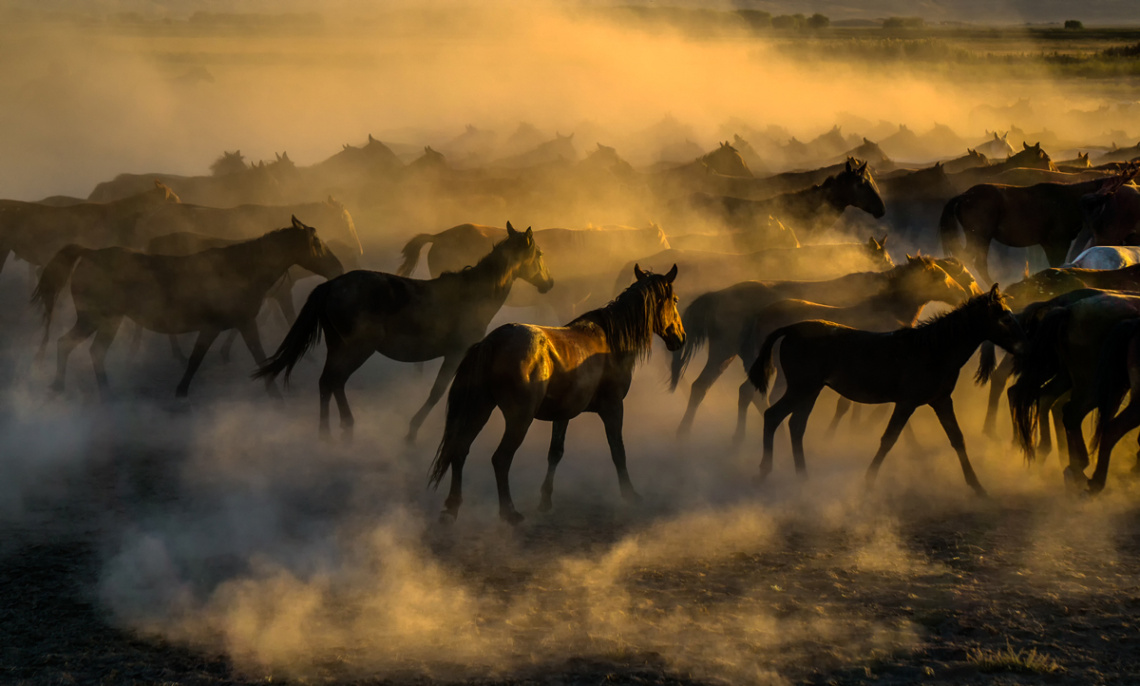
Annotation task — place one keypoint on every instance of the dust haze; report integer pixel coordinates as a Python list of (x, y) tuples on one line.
[(225, 525)]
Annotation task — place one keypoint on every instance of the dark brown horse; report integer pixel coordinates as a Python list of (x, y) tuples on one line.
[(409, 320), (1063, 357), (722, 317), (1118, 373), (1046, 214), (909, 367), (1030, 157), (554, 374), (899, 305), (207, 292), (808, 211)]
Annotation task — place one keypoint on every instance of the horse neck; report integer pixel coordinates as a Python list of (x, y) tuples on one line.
[(489, 280), (902, 304), (625, 323), (953, 336), (263, 260)]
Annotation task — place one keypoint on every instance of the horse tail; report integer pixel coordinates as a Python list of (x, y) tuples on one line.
[(1110, 384), (52, 280), (761, 369), (948, 227), (987, 360), (1036, 366), (411, 253), (468, 390), (697, 319), (304, 334)]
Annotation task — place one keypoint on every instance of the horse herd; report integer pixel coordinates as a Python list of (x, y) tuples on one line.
[(773, 281)]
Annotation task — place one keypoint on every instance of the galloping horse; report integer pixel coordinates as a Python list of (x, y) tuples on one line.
[(554, 374), (409, 320), (909, 367), (207, 292), (722, 317), (1046, 214)]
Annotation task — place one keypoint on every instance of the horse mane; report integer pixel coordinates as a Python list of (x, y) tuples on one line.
[(627, 320), (495, 263), (947, 325)]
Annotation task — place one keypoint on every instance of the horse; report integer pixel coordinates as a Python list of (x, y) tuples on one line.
[(1112, 217), (581, 258), (1045, 214), (207, 292), (1118, 372), (188, 243), (35, 233), (909, 367), (1031, 157), (410, 320), (914, 201), (971, 159), (807, 211), (1106, 257), (996, 146), (899, 305), (554, 374), (1080, 162), (1063, 357), (721, 317), (249, 220), (704, 271), (231, 182)]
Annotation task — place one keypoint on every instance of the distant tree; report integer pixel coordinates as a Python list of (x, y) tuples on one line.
[(785, 21), (1074, 24), (757, 19), (818, 21)]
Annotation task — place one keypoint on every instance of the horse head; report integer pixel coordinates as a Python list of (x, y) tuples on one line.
[(855, 186), (310, 252), (1033, 157), (726, 160), (922, 278), (958, 271), (526, 258), (663, 302), (1001, 328), (877, 250)]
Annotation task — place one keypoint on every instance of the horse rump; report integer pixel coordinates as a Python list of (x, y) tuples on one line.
[(303, 335)]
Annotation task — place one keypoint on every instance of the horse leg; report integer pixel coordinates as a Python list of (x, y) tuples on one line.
[(205, 339), (842, 406), (104, 335), (1050, 401), (798, 425), (715, 365), (898, 420), (80, 332), (747, 395), (228, 344), (1127, 420), (1056, 253), (518, 423), (612, 419), (979, 250), (446, 374), (944, 408), (998, 380), (252, 338), (773, 417), (466, 423), (557, 447), (1072, 416), (341, 360)]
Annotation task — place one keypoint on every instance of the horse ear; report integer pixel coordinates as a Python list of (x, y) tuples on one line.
[(371, 139), (848, 164), (883, 241), (510, 229), (1024, 145), (909, 257), (863, 168), (638, 273), (529, 236), (297, 223), (970, 151), (671, 274), (994, 291)]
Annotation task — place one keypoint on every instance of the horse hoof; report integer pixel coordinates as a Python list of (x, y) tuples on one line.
[(513, 518), (447, 517)]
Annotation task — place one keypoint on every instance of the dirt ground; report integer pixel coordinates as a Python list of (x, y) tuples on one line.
[(218, 541)]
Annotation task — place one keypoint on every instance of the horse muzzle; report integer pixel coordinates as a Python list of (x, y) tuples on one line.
[(544, 286), (673, 341)]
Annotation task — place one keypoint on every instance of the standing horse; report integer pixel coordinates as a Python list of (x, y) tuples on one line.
[(722, 317), (207, 292), (1046, 214), (1117, 373), (555, 374), (909, 367), (409, 320)]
